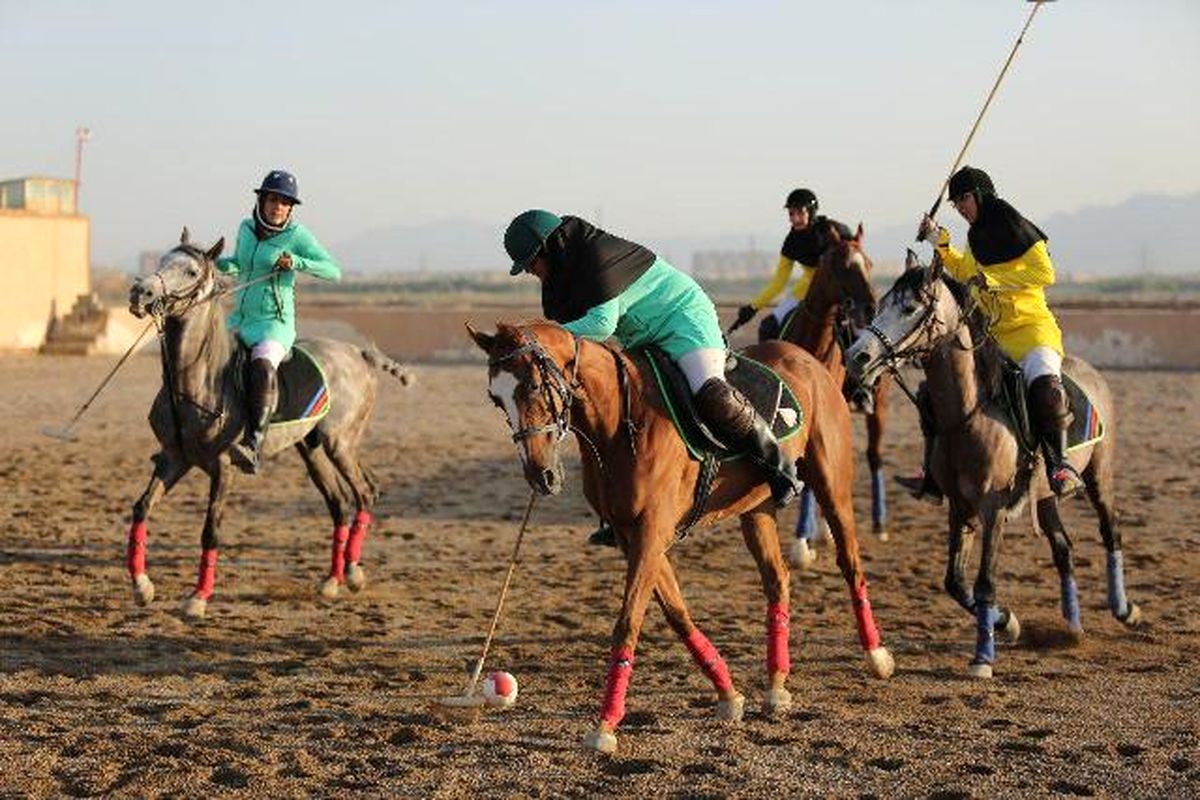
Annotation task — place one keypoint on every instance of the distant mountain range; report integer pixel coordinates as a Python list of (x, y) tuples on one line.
[(1150, 233)]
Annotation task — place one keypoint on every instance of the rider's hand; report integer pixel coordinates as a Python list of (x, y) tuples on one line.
[(745, 314), (928, 230), (284, 262)]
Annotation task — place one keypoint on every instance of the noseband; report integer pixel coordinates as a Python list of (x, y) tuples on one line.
[(160, 307), (557, 390)]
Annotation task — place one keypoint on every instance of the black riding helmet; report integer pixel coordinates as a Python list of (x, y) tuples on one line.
[(802, 198), (971, 179), (282, 183)]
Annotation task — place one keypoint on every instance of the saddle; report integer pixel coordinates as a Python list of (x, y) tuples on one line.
[(762, 386), (303, 391), (1085, 428)]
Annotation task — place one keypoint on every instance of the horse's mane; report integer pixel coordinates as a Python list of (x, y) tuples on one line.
[(989, 359)]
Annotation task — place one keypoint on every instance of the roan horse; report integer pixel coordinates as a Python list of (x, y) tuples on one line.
[(199, 412), (840, 299), (638, 475), (977, 460)]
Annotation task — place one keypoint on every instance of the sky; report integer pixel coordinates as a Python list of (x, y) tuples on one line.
[(653, 118)]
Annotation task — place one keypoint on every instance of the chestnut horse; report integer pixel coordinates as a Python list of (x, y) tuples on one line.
[(637, 474), (840, 300)]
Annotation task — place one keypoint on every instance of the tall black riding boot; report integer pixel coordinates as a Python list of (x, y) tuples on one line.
[(1050, 416), (261, 395), (734, 419), (923, 487)]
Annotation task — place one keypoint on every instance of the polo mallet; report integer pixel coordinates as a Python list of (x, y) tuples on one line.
[(67, 432), (971, 134), (468, 704)]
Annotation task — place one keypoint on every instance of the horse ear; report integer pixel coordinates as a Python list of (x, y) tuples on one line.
[(832, 232), (485, 341), (184, 237), (858, 234), (216, 249), (911, 261)]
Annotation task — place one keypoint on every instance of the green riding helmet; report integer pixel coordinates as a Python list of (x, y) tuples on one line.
[(525, 236)]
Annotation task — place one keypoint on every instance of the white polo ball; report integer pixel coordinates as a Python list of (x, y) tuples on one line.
[(500, 689)]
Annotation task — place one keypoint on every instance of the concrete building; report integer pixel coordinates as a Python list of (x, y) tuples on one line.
[(44, 259)]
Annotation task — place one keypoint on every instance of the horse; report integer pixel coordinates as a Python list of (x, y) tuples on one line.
[(840, 300), (638, 475), (199, 413), (978, 460)]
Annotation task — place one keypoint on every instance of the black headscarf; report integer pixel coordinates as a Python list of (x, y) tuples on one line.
[(806, 246), (999, 232), (588, 267)]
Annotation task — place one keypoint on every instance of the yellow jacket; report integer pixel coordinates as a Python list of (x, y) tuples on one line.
[(783, 272), (1014, 296)]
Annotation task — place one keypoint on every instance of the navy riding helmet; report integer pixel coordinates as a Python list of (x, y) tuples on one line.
[(282, 183)]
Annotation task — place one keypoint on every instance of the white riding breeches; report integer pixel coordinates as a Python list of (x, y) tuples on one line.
[(270, 350), (1041, 361), (784, 307), (701, 365)]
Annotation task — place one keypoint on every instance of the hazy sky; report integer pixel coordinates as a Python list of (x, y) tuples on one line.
[(668, 118)]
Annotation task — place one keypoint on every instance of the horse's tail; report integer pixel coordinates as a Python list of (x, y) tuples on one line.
[(378, 359)]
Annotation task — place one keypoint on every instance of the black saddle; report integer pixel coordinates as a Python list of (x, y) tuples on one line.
[(761, 385), (303, 390), (1085, 427)]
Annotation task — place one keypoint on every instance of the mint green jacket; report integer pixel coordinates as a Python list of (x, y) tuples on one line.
[(267, 310), (663, 307)]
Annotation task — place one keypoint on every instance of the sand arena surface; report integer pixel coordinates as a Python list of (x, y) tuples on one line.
[(280, 693)]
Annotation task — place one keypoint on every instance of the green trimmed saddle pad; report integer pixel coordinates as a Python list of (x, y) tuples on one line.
[(1086, 426), (303, 392), (762, 386)]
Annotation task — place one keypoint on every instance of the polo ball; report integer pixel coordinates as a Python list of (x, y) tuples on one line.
[(500, 689)]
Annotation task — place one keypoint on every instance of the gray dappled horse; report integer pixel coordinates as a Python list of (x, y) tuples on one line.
[(977, 459), (200, 410)]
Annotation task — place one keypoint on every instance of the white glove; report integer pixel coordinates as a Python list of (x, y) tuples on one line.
[(928, 230)]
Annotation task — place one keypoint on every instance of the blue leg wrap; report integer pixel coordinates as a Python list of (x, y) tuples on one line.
[(1117, 602), (1070, 602), (878, 499), (806, 524), (985, 636)]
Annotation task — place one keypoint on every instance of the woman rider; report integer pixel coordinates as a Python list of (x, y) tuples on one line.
[(803, 246), (597, 285), (1008, 260), (264, 315)]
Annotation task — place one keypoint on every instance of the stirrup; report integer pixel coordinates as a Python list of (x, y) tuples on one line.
[(604, 536), (922, 488), (1064, 480), (784, 488)]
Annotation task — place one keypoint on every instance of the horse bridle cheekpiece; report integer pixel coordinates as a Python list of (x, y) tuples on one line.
[(893, 354), (557, 390)]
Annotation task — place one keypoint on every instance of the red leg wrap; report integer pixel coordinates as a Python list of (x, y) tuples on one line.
[(208, 574), (135, 553), (868, 634), (710, 660), (620, 670), (358, 532), (778, 658), (337, 566)]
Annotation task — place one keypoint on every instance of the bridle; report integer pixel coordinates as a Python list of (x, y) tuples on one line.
[(164, 305), (557, 389)]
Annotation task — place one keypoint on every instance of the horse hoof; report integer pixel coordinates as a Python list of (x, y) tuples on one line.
[(195, 607), (733, 709), (356, 578), (777, 702), (881, 533), (881, 662), (1012, 629), (143, 589), (981, 670), (601, 741), (1134, 617), (329, 588), (801, 555)]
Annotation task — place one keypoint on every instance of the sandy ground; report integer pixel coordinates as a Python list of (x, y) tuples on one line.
[(281, 693)]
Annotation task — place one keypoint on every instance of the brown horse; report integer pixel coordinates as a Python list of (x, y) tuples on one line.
[(637, 473), (839, 301)]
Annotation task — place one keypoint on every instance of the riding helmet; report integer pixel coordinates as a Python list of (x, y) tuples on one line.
[(802, 198), (525, 236), (971, 179), (282, 183)]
